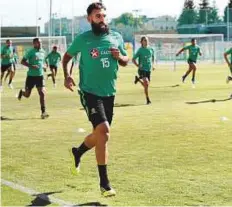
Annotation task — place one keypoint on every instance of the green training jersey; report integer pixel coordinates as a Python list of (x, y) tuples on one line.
[(35, 57), (146, 58), (194, 51), (7, 55), (229, 52), (53, 58), (98, 68)]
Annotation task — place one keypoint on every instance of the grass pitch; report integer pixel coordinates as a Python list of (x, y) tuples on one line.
[(177, 151)]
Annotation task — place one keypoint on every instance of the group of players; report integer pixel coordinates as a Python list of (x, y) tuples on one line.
[(102, 50)]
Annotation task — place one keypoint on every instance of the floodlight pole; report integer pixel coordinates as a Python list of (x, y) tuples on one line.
[(228, 23), (72, 20)]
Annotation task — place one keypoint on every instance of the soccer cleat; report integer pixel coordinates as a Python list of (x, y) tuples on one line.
[(75, 168), (54, 85), (183, 79), (44, 115), (231, 96), (136, 79), (20, 94), (148, 102), (10, 86), (228, 79), (107, 192)]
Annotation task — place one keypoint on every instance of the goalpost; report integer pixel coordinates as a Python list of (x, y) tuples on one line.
[(167, 45), (23, 44)]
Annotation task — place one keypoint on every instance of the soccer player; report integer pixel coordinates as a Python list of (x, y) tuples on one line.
[(12, 73), (34, 60), (229, 52), (145, 54), (7, 61), (53, 58), (194, 51), (101, 50)]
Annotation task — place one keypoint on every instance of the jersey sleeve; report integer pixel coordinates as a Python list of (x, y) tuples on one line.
[(187, 47), (121, 47), (76, 46), (228, 52), (27, 55), (136, 55)]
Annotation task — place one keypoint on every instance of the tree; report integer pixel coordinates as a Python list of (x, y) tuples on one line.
[(204, 12), (226, 12), (213, 16), (189, 14)]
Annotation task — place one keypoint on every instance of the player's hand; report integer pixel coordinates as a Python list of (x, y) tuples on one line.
[(69, 83), (34, 66), (115, 53), (177, 54)]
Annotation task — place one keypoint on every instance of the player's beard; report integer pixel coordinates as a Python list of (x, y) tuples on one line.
[(99, 29)]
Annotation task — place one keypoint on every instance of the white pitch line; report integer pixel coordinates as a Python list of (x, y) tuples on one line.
[(33, 193)]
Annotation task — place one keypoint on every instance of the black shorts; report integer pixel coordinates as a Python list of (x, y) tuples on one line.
[(32, 81), (191, 61), (144, 74), (98, 109), (53, 67), (6, 67)]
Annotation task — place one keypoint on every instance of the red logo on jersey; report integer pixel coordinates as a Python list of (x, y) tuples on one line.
[(94, 53)]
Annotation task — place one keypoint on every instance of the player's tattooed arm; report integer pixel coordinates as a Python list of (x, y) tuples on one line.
[(65, 62)]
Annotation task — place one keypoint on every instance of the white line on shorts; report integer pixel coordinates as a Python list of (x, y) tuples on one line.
[(33, 193)]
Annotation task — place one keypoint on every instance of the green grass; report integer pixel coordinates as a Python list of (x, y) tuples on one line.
[(168, 153)]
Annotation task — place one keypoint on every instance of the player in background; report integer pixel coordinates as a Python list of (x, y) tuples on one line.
[(53, 59), (229, 63), (12, 73), (7, 57), (145, 55), (101, 50), (34, 60), (194, 51)]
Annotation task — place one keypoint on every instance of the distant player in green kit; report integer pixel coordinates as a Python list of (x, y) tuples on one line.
[(53, 58), (229, 63), (101, 50), (145, 55), (34, 60), (194, 51), (7, 57)]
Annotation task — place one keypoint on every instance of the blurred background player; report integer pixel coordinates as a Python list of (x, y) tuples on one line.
[(34, 60), (145, 55), (194, 51), (53, 59), (11, 73), (229, 63), (7, 57), (101, 50)]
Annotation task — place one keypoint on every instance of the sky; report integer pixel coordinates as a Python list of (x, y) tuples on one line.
[(26, 12)]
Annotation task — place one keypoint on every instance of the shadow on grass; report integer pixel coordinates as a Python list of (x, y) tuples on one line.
[(172, 86), (42, 199), (3, 118), (92, 204), (209, 101)]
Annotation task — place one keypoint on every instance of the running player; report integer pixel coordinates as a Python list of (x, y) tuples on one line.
[(101, 50), (194, 51), (145, 54)]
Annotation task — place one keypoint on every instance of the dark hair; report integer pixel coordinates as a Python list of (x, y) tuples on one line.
[(143, 38), (193, 39), (8, 40), (54, 47), (35, 39), (96, 5)]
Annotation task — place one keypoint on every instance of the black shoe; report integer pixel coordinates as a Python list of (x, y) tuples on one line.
[(228, 79), (183, 79), (136, 79), (20, 94), (75, 168), (148, 101)]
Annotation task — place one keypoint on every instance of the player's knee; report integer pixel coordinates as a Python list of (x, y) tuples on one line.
[(103, 131)]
